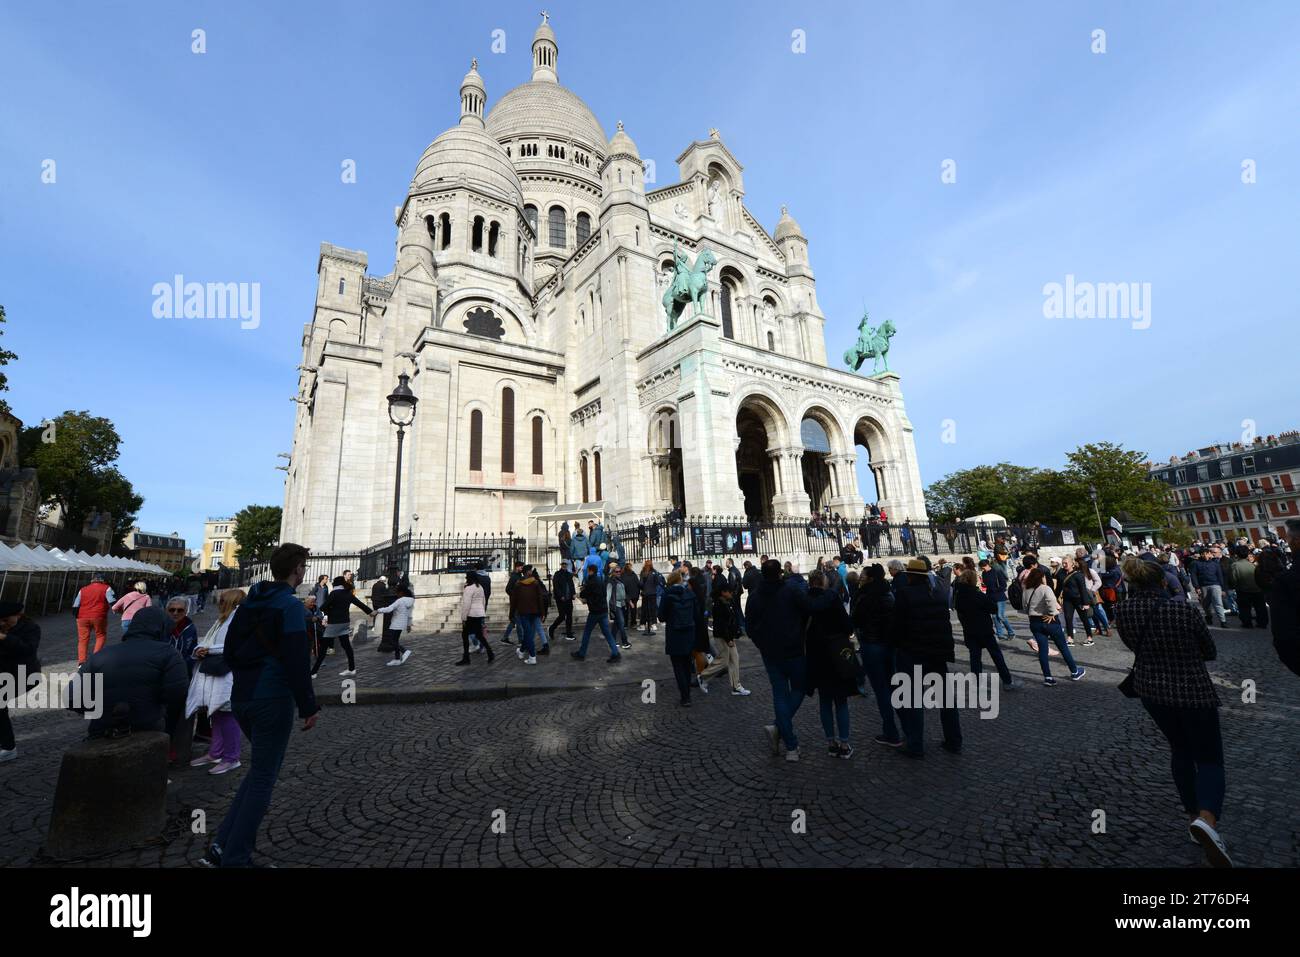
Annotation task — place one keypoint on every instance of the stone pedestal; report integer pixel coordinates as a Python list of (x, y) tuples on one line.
[(112, 794)]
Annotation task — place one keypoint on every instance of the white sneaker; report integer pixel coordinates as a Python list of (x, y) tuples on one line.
[(1216, 852), (740, 690), (224, 766), (519, 653), (708, 658), (347, 673), (205, 759), (9, 755), (530, 661), (704, 686), (392, 662), (792, 755), (405, 655)]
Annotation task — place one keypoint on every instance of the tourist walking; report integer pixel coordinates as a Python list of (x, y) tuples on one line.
[(616, 598), (1207, 578), (473, 611), (92, 604), (132, 602), (266, 646), (529, 600), (680, 613), (832, 666), (977, 612), (338, 622), (563, 592), (652, 583), (632, 589), (871, 610), (921, 632), (996, 579), (211, 686), (594, 596), (1252, 609), (1042, 609), (1170, 644), (397, 618), (726, 630), (20, 638)]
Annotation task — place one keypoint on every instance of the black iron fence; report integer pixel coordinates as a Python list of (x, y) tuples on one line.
[(441, 554)]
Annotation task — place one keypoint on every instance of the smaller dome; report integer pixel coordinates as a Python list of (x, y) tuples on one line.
[(786, 227), (544, 32), (472, 78), (622, 143), (468, 152)]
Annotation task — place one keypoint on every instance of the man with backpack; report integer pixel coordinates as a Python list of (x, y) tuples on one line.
[(529, 599), (563, 591), (270, 658)]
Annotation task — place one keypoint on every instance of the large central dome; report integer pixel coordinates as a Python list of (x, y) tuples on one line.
[(543, 106)]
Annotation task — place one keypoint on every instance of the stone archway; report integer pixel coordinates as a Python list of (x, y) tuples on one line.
[(827, 464), (766, 460), (664, 450), (873, 454)]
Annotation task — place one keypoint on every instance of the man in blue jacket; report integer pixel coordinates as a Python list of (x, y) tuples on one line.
[(776, 616), (1207, 579), (270, 658)]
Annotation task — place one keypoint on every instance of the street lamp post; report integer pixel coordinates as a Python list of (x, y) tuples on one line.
[(1261, 512), (1092, 493), (401, 412)]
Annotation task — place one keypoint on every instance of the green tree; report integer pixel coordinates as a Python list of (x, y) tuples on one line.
[(1177, 534), (257, 531), (5, 358), (73, 456), (1000, 489), (1122, 481)]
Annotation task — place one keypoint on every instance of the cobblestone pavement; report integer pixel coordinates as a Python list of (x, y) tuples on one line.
[(596, 776)]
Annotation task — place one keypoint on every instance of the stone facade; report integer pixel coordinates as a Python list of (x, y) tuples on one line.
[(526, 304)]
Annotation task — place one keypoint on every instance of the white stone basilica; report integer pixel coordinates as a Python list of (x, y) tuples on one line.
[(526, 306)]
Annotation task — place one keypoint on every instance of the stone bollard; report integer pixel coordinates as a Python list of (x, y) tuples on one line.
[(112, 794)]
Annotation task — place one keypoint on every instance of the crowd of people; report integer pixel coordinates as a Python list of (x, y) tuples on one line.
[(836, 633)]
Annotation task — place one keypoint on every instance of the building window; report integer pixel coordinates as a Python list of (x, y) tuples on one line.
[(1248, 463), (1180, 476), (530, 214), (342, 285), (595, 458), (771, 343), (218, 547), (476, 239), (1202, 473), (476, 441), (727, 331), (537, 445), (583, 228), (494, 237), (585, 496), (508, 431), (555, 227), (444, 226)]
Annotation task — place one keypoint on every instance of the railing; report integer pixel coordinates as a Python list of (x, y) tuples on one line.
[(441, 554)]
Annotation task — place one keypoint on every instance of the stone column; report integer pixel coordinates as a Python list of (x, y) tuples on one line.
[(792, 499)]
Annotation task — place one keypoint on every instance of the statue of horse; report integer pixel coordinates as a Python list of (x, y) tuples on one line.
[(690, 283), (871, 344)]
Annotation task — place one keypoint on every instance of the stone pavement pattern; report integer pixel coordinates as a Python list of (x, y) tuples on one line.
[(596, 777)]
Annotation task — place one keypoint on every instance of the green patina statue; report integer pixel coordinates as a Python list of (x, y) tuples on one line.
[(689, 283), (871, 344)]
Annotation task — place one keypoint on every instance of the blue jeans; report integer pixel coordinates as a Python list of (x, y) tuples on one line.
[(1229, 601), (620, 626), (267, 723), (878, 660), (987, 643), (593, 620), (1048, 631), (913, 719), (1196, 754), (509, 629), (1001, 624), (528, 626), (788, 676), (834, 710), (1099, 617)]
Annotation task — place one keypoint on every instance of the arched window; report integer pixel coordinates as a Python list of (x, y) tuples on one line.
[(595, 458), (507, 430), (476, 441), (555, 226), (537, 445), (476, 240), (585, 496), (342, 285), (431, 225), (444, 226), (583, 228), (494, 238), (530, 214), (771, 343), (727, 331)]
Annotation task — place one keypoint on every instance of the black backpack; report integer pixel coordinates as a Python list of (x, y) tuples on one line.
[(1016, 595), (683, 612)]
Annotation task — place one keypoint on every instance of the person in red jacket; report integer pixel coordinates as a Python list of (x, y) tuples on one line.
[(92, 604)]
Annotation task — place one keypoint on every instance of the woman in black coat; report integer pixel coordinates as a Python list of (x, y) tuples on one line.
[(873, 606), (975, 611), (19, 639), (680, 613), (701, 592), (828, 635)]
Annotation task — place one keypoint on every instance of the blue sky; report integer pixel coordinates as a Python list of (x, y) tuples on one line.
[(1117, 167)]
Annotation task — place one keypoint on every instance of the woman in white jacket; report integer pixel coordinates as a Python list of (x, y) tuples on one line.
[(473, 611), (402, 610), (210, 689)]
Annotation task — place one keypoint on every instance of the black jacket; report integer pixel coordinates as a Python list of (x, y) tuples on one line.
[(776, 616), (1284, 601), (562, 585), (144, 672), (975, 611), (725, 623), (824, 625), (19, 648), (751, 579), (631, 585), (593, 594), (873, 607), (338, 604), (920, 625)]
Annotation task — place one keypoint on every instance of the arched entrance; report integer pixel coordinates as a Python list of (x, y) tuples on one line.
[(872, 461), (665, 453), (762, 460), (815, 464)]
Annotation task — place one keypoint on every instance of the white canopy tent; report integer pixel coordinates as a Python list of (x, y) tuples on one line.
[(55, 574)]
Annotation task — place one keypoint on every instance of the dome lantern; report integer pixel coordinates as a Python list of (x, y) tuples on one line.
[(545, 52), (473, 97)]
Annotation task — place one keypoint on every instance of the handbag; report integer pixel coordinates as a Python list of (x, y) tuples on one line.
[(844, 659), (214, 666)]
